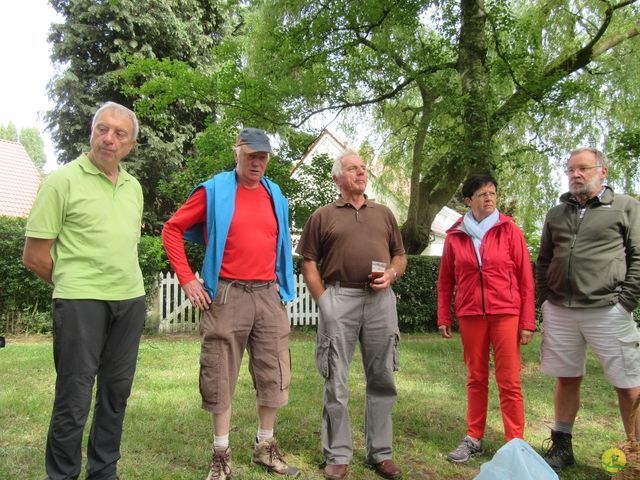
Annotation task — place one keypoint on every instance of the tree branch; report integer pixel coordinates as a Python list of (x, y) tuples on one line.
[(560, 68)]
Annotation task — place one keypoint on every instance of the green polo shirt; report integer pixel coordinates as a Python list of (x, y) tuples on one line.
[(96, 227)]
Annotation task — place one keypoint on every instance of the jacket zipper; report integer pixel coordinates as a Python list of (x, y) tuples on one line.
[(484, 311), (573, 242)]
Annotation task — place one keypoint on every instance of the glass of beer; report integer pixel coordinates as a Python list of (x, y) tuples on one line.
[(377, 269)]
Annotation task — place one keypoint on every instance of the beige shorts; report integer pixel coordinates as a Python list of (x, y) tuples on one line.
[(251, 319), (610, 331)]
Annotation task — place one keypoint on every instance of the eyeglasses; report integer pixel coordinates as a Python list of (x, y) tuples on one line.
[(484, 195), (572, 170)]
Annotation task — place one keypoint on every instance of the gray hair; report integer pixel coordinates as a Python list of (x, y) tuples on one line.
[(336, 170), (122, 110), (601, 158)]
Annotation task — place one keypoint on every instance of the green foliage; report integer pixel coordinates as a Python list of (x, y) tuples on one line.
[(314, 188), (455, 88), (23, 294), (34, 145), (625, 169), (95, 43), (153, 260), (9, 132), (417, 295)]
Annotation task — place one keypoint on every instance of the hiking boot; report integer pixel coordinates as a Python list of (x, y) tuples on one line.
[(220, 466), (560, 454), (268, 454), (467, 449)]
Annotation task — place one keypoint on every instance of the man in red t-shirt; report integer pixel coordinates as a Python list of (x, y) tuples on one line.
[(243, 220)]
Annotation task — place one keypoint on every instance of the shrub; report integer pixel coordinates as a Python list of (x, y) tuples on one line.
[(417, 295), (153, 260), (23, 296)]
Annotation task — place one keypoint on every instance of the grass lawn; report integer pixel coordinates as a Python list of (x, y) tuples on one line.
[(168, 436)]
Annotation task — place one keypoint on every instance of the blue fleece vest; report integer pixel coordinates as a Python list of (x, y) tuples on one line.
[(221, 199)]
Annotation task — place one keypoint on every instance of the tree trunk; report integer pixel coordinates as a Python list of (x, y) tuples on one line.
[(474, 80), (439, 184)]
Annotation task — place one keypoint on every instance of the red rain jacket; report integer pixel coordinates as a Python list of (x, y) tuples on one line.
[(502, 286)]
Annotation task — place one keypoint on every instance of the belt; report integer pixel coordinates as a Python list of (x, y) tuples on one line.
[(359, 286), (248, 286)]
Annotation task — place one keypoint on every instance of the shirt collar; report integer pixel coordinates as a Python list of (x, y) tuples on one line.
[(341, 202), (88, 167), (598, 195)]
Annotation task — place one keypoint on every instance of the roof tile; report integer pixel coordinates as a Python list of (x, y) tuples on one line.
[(19, 180)]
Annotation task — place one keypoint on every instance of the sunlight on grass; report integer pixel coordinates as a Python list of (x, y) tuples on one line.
[(168, 436)]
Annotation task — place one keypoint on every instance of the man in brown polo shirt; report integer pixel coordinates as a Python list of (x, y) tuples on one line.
[(339, 243)]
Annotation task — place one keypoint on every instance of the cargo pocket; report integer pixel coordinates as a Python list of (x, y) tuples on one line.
[(630, 345), (323, 355), (284, 360), (395, 342), (210, 377)]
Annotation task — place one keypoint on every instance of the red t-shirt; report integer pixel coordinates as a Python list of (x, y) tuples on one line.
[(250, 250)]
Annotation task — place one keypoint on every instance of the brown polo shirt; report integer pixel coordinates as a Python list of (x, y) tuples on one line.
[(344, 241)]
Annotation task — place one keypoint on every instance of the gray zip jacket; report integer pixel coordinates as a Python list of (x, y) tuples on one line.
[(593, 261)]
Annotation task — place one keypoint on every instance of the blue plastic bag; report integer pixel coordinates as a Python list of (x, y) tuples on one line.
[(516, 460)]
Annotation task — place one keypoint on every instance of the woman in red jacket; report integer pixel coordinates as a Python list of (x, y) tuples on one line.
[(486, 263)]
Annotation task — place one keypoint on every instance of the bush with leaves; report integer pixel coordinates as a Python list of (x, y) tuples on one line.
[(23, 294)]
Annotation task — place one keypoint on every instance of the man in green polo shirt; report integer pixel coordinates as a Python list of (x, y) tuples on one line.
[(82, 236)]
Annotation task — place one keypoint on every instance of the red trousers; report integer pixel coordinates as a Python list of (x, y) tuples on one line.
[(500, 332)]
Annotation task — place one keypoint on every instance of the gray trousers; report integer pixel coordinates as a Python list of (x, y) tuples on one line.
[(91, 338), (349, 316)]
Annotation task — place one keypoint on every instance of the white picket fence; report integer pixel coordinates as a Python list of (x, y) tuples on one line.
[(177, 314)]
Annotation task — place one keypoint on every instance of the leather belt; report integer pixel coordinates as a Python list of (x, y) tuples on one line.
[(359, 286), (248, 286)]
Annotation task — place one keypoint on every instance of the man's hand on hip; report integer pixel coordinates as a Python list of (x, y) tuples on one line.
[(197, 295)]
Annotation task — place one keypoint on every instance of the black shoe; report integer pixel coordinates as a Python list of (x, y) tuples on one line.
[(560, 454)]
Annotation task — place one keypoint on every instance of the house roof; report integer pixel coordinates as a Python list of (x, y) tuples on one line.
[(328, 143), (445, 218), (19, 180)]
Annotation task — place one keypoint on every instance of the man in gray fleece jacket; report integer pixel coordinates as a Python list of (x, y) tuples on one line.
[(588, 285)]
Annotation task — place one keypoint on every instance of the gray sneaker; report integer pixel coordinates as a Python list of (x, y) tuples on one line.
[(220, 466), (560, 454), (268, 454), (467, 449)]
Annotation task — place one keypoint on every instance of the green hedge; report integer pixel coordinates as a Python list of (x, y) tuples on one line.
[(23, 297), (417, 292)]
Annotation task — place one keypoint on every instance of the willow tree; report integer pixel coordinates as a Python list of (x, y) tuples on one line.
[(456, 87)]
